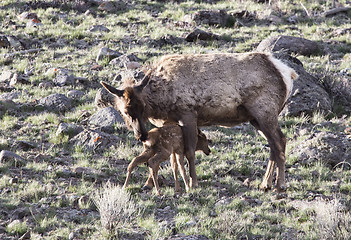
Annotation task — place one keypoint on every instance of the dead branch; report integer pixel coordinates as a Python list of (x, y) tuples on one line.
[(336, 11), (35, 50)]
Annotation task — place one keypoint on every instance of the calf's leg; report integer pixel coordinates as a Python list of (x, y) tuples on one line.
[(180, 163), (154, 164), (142, 158), (175, 173)]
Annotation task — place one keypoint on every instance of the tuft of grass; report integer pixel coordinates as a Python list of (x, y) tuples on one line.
[(115, 206), (17, 228), (8, 122)]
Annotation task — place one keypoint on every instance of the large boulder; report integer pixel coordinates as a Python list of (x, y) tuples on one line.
[(94, 140), (104, 98), (69, 129), (332, 148), (290, 44), (198, 34), (56, 102), (308, 94), (212, 17), (106, 118)]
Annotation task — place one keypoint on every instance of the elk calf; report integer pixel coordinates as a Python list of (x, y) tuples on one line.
[(162, 143)]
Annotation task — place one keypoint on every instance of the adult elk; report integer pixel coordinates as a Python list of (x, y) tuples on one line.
[(212, 89)]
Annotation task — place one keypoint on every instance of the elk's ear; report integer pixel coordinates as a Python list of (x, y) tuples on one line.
[(112, 90), (144, 82)]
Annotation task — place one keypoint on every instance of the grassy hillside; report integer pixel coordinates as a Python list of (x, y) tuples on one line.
[(55, 189)]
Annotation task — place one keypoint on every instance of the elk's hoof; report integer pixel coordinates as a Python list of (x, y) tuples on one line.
[(178, 191), (265, 187), (279, 189), (146, 188), (194, 184)]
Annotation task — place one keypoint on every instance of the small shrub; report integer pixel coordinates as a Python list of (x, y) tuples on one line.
[(115, 206), (332, 221)]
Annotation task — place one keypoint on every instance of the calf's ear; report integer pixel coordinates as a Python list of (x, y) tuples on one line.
[(112, 90)]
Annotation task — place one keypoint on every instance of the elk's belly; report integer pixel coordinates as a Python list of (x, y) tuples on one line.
[(229, 116)]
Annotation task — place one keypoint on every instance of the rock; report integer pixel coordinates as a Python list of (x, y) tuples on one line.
[(5, 105), (106, 118), (13, 180), (45, 85), (81, 44), (332, 148), (213, 17), (340, 90), (291, 44), (244, 18), (63, 79), (6, 76), (56, 102), (99, 28), (274, 19), (168, 39), (25, 16), (4, 43), (34, 23), (69, 129), (15, 42), (341, 31), (104, 98), (13, 223), (133, 58), (18, 79), (82, 170), (10, 96), (187, 237), (308, 94), (107, 53), (94, 140), (198, 34), (112, 6), (23, 145), (124, 60), (20, 213), (75, 94), (96, 67), (72, 235), (4, 87), (133, 65)]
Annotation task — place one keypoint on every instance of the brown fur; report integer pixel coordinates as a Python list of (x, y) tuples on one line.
[(161, 143), (215, 89)]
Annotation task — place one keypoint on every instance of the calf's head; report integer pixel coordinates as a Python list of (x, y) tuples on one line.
[(130, 104), (202, 143)]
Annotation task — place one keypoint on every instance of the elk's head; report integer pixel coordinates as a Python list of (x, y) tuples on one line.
[(131, 106)]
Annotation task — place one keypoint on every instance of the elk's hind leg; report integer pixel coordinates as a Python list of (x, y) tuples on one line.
[(277, 142)]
